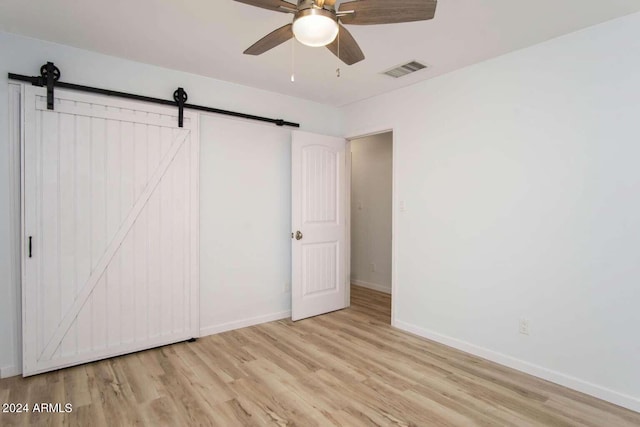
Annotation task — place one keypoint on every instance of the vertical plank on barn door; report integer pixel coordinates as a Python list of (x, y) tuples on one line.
[(139, 232), (113, 275), (153, 251), (109, 197), (68, 225), (178, 243), (29, 179), (49, 232), (126, 267), (83, 225), (166, 197), (98, 220)]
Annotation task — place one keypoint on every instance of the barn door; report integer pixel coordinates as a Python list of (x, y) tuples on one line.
[(110, 222), (318, 187)]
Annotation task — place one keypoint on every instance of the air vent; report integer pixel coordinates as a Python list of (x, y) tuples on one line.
[(403, 70)]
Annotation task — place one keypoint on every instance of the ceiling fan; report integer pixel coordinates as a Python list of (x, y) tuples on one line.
[(319, 23)]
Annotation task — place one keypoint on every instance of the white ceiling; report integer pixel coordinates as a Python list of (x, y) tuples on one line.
[(207, 37)]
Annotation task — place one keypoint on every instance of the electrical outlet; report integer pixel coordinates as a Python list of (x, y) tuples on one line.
[(524, 326), (287, 287), (373, 268)]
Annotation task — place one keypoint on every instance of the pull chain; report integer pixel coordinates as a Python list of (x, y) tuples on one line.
[(293, 60), (338, 62)]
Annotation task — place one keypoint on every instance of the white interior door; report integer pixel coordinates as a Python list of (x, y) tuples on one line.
[(110, 221), (319, 224)]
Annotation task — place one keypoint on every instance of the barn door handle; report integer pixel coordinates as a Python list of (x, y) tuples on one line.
[(30, 238), (298, 235)]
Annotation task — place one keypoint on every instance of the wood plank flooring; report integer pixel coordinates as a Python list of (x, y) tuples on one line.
[(348, 368)]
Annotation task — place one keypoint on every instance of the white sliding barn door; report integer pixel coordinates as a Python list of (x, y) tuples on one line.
[(110, 222), (319, 224)]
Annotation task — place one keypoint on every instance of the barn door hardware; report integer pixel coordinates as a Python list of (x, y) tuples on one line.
[(30, 238), (180, 96), (50, 74), (50, 77)]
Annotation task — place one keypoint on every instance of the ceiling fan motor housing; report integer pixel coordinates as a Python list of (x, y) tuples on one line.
[(308, 4)]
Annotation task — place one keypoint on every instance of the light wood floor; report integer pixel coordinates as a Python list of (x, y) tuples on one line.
[(347, 368)]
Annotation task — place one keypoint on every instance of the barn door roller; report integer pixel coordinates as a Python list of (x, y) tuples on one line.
[(49, 74), (50, 77), (180, 96)]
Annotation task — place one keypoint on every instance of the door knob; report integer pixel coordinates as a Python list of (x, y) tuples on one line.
[(298, 235)]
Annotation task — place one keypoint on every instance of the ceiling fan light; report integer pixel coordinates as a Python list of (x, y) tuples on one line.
[(315, 27)]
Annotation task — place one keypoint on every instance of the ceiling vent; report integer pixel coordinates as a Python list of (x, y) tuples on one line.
[(403, 70)]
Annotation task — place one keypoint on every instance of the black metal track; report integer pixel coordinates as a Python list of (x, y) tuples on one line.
[(38, 81)]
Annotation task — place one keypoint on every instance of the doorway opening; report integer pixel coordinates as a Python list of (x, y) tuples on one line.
[(371, 224)]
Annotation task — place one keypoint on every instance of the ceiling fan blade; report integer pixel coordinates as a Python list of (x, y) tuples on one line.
[(350, 52), (277, 5), (370, 12), (271, 40)]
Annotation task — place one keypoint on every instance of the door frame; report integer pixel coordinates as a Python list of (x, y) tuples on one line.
[(394, 283)]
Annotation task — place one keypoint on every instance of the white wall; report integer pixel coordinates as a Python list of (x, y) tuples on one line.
[(371, 207), (25, 56), (521, 180), (245, 242)]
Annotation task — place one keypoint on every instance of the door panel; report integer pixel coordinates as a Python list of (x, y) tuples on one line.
[(110, 200), (318, 213), (320, 262)]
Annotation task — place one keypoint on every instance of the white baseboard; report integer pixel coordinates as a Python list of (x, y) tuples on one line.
[(374, 286), (230, 326), (621, 399), (10, 371)]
